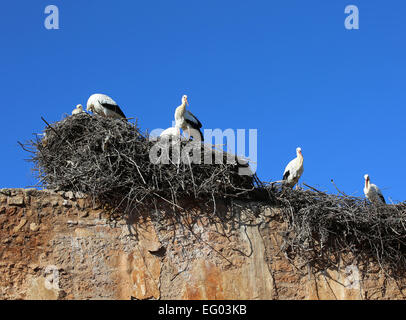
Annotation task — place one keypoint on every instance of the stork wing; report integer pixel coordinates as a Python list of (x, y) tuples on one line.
[(289, 170), (103, 99), (378, 192), (380, 195), (110, 104), (192, 120), (115, 108)]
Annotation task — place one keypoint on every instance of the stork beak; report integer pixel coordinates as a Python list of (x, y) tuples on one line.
[(187, 102)]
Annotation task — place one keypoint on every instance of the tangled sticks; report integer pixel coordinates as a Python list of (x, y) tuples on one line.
[(320, 226), (110, 160)]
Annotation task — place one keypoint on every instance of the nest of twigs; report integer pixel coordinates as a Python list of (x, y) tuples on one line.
[(321, 226), (112, 161)]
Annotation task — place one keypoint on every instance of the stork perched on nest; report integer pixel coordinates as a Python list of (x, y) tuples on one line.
[(78, 109), (293, 170), (372, 192), (105, 106), (187, 121), (171, 133)]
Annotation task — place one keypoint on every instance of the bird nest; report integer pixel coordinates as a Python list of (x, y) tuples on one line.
[(112, 161), (320, 227)]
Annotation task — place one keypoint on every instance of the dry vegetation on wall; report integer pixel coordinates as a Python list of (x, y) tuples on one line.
[(109, 160), (321, 226)]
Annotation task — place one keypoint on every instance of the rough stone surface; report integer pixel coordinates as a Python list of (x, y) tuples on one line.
[(53, 248)]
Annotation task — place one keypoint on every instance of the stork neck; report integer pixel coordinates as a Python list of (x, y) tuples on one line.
[(182, 108), (180, 112), (300, 157)]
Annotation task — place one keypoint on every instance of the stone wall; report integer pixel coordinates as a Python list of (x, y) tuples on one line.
[(59, 245)]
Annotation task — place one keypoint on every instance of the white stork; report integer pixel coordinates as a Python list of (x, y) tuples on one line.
[(104, 106), (293, 170), (372, 192), (78, 109), (187, 121), (171, 133)]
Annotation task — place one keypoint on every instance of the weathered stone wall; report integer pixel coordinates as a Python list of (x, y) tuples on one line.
[(59, 245)]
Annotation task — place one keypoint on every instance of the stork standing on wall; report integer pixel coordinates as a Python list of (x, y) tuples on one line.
[(372, 192), (105, 106), (293, 170), (78, 109), (187, 121)]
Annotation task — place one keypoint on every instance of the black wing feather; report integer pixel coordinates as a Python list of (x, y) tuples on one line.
[(201, 135), (382, 198), (286, 175), (195, 125), (115, 108)]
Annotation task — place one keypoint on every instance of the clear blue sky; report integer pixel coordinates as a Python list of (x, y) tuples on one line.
[(287, 68)]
